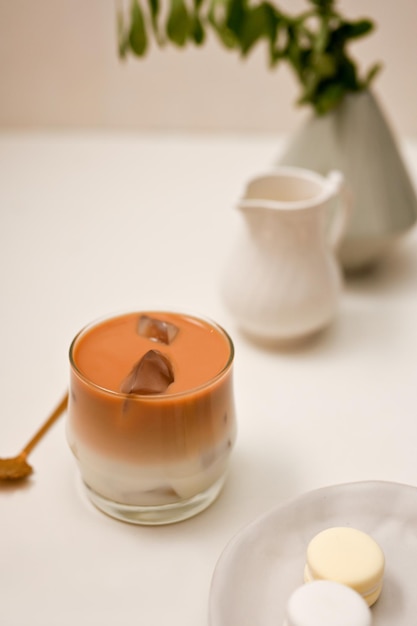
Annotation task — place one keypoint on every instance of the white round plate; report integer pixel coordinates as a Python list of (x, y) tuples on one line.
[(263, 564)]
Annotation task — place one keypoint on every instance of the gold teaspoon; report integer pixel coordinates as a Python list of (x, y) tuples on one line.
[(17, 467)]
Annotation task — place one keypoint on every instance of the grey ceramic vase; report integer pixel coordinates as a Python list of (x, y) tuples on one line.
[(356, 139)]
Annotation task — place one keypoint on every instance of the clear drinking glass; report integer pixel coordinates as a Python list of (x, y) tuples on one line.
[(152, 458)]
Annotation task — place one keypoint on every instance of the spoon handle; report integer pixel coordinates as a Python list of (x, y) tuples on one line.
[(59, 409)]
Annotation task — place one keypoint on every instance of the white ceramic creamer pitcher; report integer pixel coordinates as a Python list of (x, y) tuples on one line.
[(283, 281)]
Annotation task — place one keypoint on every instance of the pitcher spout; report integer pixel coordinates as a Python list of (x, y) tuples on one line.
[(335, 180)]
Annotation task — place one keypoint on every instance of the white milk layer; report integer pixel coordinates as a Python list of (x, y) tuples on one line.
[(146, 484)]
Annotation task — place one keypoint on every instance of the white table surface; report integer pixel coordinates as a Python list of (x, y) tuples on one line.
[(93, 224)]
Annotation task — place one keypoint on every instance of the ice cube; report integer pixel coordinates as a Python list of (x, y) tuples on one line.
[(157, 330), (153, 373)]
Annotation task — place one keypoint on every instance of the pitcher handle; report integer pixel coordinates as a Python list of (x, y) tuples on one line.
[(343, 210)]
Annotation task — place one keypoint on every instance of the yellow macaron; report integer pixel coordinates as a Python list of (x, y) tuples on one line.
[(347, 556)]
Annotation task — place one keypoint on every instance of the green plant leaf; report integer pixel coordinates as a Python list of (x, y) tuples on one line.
[(326, 97), (138, 40), (236, 14), (351, 30), (349, 75), (323, 6), (122, 35), (216, 17), (178, 23), (279, 44), (154, 9), (196, 30), (293, 51), (375, 69), (358, 29), (324, 65), (259, 22), (321, 40)]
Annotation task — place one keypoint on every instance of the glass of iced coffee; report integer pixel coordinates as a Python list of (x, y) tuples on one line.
[(151, 418)]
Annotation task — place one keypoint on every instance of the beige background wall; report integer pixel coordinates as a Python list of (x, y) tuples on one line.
[(59, 68)]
